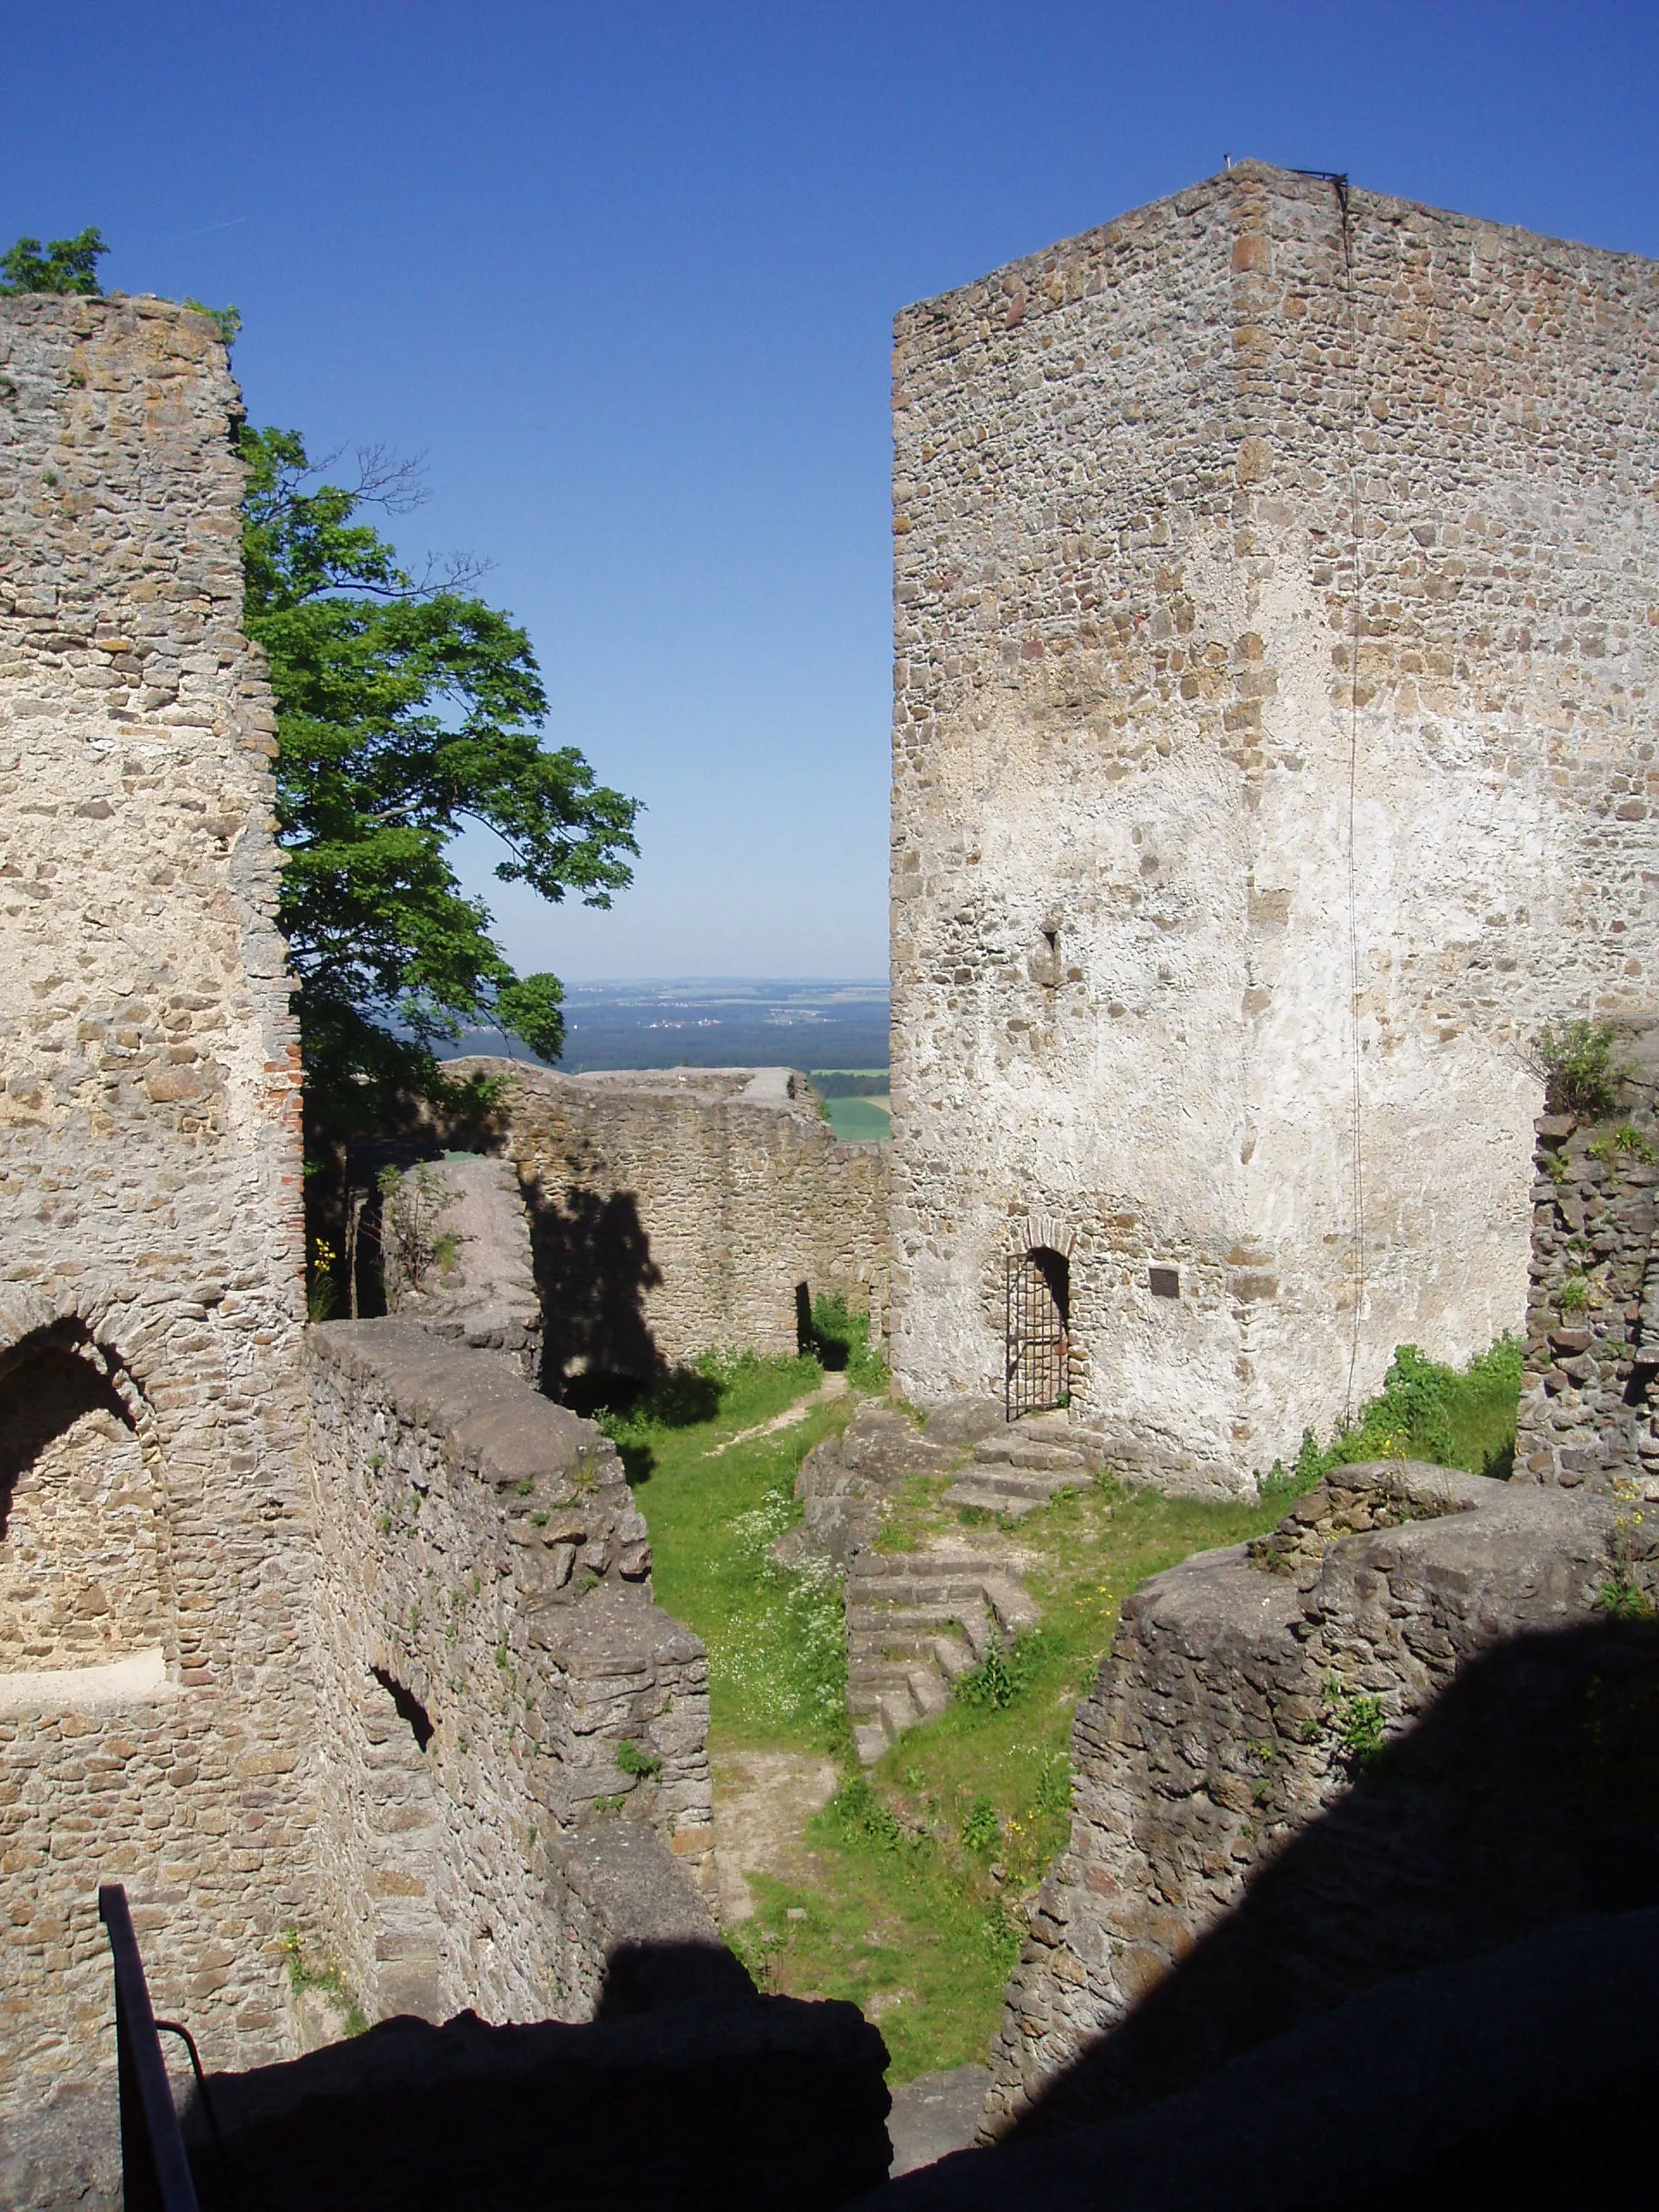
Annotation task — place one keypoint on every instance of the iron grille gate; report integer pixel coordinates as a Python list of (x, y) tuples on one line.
[(1037, 1344)]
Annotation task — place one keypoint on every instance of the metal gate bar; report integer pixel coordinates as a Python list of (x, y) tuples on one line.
[(1036, 1379)]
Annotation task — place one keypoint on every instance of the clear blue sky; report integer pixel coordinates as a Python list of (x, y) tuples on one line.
[(625, 275)]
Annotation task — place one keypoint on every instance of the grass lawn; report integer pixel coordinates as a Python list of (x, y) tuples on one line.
[(777, 1655), (859, 1120), (913, 1910), (927, 1859)]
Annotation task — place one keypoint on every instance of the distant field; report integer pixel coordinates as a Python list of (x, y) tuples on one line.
[(736, 1024), (860, 1120)]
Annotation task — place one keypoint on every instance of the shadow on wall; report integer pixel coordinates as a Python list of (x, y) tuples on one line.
[(79, 1553), (687, 2091), (593, 1268), (1442, 1986)]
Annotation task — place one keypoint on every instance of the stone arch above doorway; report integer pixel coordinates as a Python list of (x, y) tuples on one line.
[(82, 1538)]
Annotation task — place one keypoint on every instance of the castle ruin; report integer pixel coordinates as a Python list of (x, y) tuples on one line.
[(335, 1646), (1275, 633)]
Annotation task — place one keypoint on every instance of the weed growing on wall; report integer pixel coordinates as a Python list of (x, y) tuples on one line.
[(1450, 1416), (1581, 1074), (412, 1235)]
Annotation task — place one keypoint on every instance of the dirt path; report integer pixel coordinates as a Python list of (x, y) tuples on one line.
[(833, 1386), (763, 1801)]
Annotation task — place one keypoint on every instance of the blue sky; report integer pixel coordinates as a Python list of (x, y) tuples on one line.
[(625, 275)]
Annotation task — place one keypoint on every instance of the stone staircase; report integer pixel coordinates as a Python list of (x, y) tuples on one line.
[(1016, 1470), (915, 1621)]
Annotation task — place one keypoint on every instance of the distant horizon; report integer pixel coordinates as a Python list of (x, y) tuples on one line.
[(683, 982)]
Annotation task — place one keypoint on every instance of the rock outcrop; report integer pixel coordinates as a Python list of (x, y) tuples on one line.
[(1391, 1734)]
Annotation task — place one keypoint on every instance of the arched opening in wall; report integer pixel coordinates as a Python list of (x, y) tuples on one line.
[(1039, 1339), (409, 1708), (80, 1579)]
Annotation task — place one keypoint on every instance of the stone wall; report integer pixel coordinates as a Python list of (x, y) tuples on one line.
[(678, 1211), (454, 1241), (1587, 1401), (1239, 1855), (1214, 947), (486, 1641), (154, 1700)]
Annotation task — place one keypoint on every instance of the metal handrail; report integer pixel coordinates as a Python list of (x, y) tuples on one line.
[(154, 2168)]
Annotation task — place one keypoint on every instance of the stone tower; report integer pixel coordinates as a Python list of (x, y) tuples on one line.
[(153, 1569), (1276, 643)]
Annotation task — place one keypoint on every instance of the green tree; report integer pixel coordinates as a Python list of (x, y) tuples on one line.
[(65, 266), (406, 708)]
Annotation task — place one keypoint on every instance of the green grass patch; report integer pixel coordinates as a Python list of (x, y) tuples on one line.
[(777, 1649), (924, 1863), (1452, 1417), (859, 1120)]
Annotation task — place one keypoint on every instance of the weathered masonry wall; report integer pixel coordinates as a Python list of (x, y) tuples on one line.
[(678, 1212), (1183, 896), (486, 1641), (1588, 1400), (155, 1702), (1236, 1864)]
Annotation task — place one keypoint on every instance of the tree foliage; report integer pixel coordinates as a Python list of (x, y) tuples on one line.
[(407, 708), (64, 265)]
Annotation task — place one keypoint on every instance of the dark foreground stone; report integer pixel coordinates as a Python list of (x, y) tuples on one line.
[(762, 2102), (1527, 2078)]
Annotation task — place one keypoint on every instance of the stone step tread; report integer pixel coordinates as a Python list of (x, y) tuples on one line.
[(1031, 1489), (953, 1657), (910, 1635), (929, 1690), (882, 1600), (878, 1566), (898, 1711), (1014, 1610), (996, 1452), (869, 1741), (867, 1685), (923, 1622), (874, 1606), (990, 1500)]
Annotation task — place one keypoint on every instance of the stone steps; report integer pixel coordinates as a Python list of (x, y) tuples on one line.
[(916, 1623), (1036, 1457), (997, 1490)]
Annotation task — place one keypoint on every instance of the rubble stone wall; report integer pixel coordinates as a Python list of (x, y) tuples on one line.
[(487, 1642), (1243, 1692), (1273, 587), (156, 1715), (678, 1211), (1588, 1402)]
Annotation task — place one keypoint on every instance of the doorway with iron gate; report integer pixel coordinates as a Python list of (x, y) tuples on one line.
[(1039, 1334)]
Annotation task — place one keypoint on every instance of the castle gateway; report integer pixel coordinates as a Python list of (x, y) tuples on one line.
[(1276, 632)]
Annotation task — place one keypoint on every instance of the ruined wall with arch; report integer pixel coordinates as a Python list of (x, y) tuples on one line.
[(155, 1565)]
